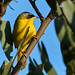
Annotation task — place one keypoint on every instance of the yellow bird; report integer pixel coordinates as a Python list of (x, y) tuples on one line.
[(23, 21)]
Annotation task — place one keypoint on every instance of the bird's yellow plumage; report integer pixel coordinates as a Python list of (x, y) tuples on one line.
[(23, 21)]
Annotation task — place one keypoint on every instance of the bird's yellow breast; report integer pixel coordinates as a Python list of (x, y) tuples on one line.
[(20, 28)]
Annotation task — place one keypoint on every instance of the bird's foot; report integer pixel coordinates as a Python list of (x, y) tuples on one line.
[(24, 53), (34, 37)]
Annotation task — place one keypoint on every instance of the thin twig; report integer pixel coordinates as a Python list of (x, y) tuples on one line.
[(36, 9), (11, 7)]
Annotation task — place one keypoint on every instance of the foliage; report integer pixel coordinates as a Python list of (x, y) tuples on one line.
[(45, 60), (65, 24), (6, 67), (6, 41), (65, 29)]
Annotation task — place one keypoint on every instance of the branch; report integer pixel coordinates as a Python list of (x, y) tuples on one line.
[(36, 9), (6, 3), (29, 49), (3, 6)]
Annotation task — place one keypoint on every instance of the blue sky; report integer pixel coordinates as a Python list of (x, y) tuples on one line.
[(50, 39)]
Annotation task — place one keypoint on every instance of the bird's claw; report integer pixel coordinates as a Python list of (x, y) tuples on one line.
[(23, 53), (34, 37)]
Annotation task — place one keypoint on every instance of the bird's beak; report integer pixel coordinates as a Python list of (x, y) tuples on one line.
[(35, 17)]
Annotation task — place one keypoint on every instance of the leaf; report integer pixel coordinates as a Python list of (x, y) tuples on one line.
[(60, 24), (60, 29), (64, 32), (68, 9), (38, 68), (31, 65), (71, 67), (5, 63), (69, 59), (69, 12), (0, 30), (52, 4), (7, 70), (45, 60), (67, 39), (6, 38), (44, 49), (69, 53), (58, 11), (35, 69), (0, 71), (59, 1)]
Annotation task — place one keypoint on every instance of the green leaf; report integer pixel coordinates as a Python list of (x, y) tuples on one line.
[(35, 69), (5, 63), (60, 29), (58, 11), (1, 71), (71, 67), (6, 38), (0, 30), (69, 59), (45, 60), (38, 68), (64, 32), (31, 65), (44, 50), (69, 53), (52, 4), (69, 12), (67, 39), (65, 29), (68, 9), (7, 70)]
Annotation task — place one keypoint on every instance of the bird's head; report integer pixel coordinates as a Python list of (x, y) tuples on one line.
[(27, 15)]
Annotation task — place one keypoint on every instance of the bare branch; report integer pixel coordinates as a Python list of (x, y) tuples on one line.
[(36, 9)]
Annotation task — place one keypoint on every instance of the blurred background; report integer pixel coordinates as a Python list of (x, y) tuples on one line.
[(49, 38)]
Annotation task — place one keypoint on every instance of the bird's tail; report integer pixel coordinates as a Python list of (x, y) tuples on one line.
[(20, 55)]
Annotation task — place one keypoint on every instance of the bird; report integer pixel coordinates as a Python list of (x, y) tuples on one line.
[(23, 21)]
